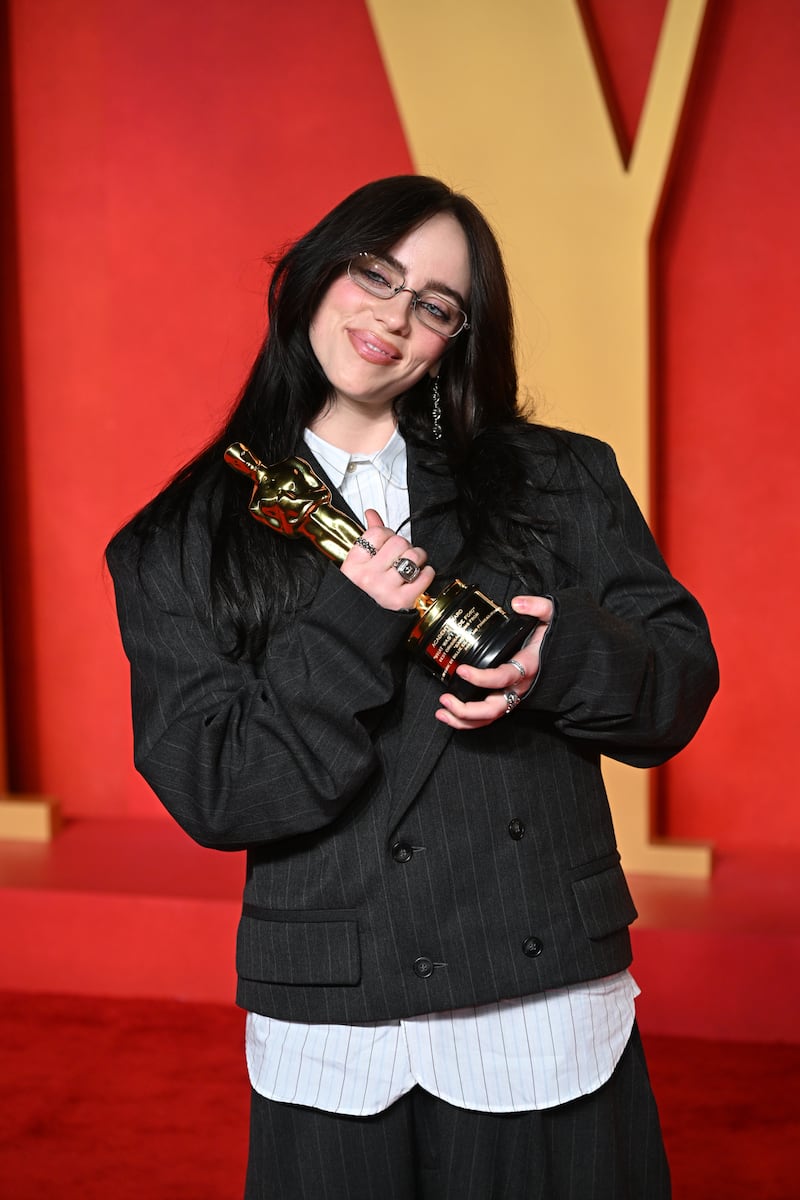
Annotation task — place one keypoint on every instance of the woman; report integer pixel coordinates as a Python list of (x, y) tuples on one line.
[(434, 945)]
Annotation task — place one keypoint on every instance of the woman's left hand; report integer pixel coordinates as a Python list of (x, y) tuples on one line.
[(500, 682)]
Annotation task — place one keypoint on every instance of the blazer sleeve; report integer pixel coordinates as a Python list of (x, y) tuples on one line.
[(240, 752), (627, 663)]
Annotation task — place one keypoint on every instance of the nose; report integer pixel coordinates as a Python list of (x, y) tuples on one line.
[(396, 311)]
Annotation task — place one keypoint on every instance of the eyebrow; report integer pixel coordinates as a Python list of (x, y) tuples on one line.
[(434, 285)]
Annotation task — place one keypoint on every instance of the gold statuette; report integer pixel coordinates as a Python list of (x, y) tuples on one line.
[(460, 625)]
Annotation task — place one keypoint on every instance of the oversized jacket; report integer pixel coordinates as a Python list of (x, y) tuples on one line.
[(395, 866)]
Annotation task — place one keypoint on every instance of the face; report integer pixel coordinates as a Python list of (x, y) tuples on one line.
[(371, 349)]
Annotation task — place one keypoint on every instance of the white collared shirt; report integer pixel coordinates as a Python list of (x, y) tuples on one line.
[(509, 1056), (365, 481)]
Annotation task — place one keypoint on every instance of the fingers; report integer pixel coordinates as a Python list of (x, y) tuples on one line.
[(506, 676), (534, 606), (386, 566), (543, 609), (517, 674), (504, 684), (473, 714)]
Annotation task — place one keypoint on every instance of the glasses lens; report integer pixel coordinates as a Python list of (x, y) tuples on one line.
[(379, 278), (375, 276), (439, 313)]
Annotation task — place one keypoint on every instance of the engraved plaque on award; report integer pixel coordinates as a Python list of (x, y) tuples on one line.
[(459, 626)]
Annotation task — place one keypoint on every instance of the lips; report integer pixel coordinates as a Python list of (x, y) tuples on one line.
[(372, 348)]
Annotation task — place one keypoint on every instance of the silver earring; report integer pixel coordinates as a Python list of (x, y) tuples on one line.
[(436, 411)]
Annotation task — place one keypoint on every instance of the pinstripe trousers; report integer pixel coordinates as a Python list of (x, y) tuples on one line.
[(604, 1146)]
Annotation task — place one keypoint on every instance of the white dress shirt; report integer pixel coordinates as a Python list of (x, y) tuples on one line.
[(509, 1056)]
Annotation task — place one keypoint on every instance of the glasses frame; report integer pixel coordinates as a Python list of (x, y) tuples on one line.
[(402, 288)]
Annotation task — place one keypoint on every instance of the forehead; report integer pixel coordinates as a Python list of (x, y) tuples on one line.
[(435, 252)]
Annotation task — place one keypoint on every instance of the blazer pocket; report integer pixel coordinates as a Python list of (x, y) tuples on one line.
[(296, 947), (604, 902)]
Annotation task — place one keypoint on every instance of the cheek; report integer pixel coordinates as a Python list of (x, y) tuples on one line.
[(429, 352), (341, 300), (320, 332)]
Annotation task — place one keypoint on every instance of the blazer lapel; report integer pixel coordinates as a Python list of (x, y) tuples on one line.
[(422, 739), (413, 749)]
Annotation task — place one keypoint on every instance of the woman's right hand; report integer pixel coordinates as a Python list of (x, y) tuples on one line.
[(375, 572)]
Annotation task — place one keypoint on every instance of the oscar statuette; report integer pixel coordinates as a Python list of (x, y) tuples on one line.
[(460, 625)]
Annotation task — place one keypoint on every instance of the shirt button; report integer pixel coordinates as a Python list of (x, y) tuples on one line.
[(516, 829), (532, 947), (423, 968), (351, 467), (402, 852)]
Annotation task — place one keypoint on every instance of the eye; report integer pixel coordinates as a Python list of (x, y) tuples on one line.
[(374, 276), (437, 308)]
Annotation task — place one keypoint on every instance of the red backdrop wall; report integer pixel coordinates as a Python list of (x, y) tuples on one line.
[(158, 151), (727, 418)]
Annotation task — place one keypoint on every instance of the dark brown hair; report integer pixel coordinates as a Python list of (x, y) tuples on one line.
[(252, 574)]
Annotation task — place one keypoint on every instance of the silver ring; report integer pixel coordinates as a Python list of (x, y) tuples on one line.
[(365, 545), (512, 700), (407, 568), (512, 662)]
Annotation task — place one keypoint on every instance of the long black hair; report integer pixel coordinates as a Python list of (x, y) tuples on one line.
[(252, 574)]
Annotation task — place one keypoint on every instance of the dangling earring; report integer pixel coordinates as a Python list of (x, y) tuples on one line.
[(436, 410)]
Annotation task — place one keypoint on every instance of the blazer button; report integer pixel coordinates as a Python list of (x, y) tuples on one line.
[(423, 968), (402, 852), (516, 829), (532, 947)]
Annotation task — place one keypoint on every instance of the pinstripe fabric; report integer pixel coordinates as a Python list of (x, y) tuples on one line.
[(324, 756), (506, 1057), (325, 760), (528, 1053), (376, 481), (604, 1146)]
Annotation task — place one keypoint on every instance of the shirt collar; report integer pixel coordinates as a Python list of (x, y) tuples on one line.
[(390, 462)]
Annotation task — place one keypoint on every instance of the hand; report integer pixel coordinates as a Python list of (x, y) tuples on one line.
[(475, 714), (374, 571)]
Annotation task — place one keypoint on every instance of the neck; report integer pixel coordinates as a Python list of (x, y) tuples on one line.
[(356, 432)]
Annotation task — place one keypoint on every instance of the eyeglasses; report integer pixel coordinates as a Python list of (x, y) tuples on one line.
[(431, 309)]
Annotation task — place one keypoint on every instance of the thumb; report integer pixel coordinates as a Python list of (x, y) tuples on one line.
[(534, 606), (373, 519)]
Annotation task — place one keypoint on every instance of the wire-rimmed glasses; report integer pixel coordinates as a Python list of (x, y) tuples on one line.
[(433, 310)]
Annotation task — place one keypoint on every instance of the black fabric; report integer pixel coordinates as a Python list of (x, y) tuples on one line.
[(605, 1146), (324, 754)]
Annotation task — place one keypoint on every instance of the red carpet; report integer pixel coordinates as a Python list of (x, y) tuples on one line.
[(121, 1099)]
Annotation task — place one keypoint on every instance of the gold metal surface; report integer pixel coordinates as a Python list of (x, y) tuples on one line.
[(459, 625), (292, 500)]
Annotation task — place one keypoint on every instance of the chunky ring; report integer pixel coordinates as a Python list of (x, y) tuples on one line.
[(365, 545), (407, 568), (512, 700), (512, 662)]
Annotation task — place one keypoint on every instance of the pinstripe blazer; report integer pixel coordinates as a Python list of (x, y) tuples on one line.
[(396, 866)]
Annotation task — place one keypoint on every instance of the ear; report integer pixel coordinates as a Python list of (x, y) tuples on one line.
[(434, 370)]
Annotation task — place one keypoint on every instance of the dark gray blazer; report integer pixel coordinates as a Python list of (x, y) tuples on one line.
[(395, 866)]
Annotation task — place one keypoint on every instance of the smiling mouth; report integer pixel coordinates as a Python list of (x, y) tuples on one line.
[(372, 347)]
